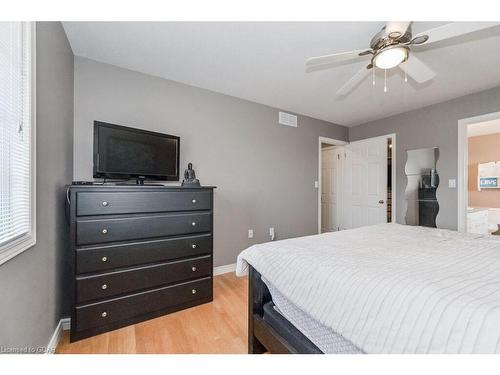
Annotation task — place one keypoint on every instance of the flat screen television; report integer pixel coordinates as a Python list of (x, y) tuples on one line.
[(121, 152)]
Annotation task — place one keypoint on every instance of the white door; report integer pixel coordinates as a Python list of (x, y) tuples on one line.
[(365, 183), (330, 189)]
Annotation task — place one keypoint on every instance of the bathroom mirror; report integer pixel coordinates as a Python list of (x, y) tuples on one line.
[(422, 182)]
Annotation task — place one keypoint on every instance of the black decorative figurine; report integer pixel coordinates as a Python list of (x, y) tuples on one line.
[(190, 177)]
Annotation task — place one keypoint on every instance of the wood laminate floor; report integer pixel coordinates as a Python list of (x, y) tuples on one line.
[(216, 327)]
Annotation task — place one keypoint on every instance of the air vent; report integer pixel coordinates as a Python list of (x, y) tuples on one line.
[(287, 119)]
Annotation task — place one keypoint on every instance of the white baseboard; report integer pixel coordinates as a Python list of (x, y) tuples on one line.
[(224, 269), (66, 324), (63, 325)]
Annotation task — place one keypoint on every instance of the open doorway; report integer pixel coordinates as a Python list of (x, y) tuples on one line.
[(479, 175), (356, 183), (389, 179)]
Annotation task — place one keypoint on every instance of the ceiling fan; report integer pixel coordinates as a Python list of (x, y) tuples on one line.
[(392, 47)]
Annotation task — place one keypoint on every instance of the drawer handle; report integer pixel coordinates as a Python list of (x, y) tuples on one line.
[(104, 314), (104, 286), (193, 269), (193, 201), (193, 246), (193, 291), (104, 231), (104, 259), (193, 224), (104, 203)]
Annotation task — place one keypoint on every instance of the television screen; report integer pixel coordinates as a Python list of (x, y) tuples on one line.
[(123, 152)]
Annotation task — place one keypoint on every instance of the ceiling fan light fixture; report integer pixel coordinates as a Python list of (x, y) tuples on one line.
[(390, 57)]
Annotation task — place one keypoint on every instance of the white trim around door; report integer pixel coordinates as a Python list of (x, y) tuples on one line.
[(463, 172)]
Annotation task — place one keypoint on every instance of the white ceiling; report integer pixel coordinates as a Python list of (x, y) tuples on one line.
[(483, 128), (264, 62)]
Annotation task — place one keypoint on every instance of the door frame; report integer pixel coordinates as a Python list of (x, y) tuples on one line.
[(331, 142), (463, 171)]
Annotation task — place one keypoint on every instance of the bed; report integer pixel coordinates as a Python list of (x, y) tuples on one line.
[(387, 288)]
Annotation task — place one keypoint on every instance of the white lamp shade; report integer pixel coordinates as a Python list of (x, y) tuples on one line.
[(390, 57)]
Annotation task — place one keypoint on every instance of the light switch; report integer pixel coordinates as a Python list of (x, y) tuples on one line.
[(452, 183), (250, 233), (316, 184)]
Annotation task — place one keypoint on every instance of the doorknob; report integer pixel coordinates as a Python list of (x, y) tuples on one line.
[(381, 201)]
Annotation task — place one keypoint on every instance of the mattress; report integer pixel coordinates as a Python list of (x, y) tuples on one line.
[(326, 339), (288, 331), (391, 288)]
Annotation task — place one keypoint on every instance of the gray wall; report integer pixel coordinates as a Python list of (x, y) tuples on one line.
[(264, 172), (31, 283), (436, 125)]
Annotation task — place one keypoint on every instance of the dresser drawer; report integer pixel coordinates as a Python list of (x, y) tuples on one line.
[(120, 309), (107, 257), (127, 281), (93, 231), (111, 203)]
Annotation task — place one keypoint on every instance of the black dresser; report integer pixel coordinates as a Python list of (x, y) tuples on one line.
[(138, 252)]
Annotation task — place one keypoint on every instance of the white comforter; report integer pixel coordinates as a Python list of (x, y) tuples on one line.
[(392, 288)]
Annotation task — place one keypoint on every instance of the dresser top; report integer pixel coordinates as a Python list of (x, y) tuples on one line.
[(112, 186)]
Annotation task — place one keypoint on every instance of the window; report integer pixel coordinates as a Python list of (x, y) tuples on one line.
[(17, 139)]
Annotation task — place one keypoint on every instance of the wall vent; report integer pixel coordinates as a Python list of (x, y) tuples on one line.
[(287, 119)]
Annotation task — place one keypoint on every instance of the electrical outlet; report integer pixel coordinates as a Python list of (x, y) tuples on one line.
[(452, 183), (271, 233), (250, 233)]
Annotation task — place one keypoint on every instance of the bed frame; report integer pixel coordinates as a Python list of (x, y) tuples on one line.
[(262, 337)]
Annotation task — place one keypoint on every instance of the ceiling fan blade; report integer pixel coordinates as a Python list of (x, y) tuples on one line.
[(335, 58), (396, 29), (417, 70), (353, 82), (455, 29)]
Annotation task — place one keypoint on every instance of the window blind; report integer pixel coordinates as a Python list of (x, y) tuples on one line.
[(15, 131)]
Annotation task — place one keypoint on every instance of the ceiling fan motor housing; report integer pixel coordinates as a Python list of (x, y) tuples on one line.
[(382, 39)]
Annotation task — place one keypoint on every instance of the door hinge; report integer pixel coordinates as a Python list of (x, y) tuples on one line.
[(338, 156)]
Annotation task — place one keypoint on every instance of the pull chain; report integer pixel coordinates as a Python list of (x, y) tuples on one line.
[(373, 76), (406, 77), (385, 80)]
